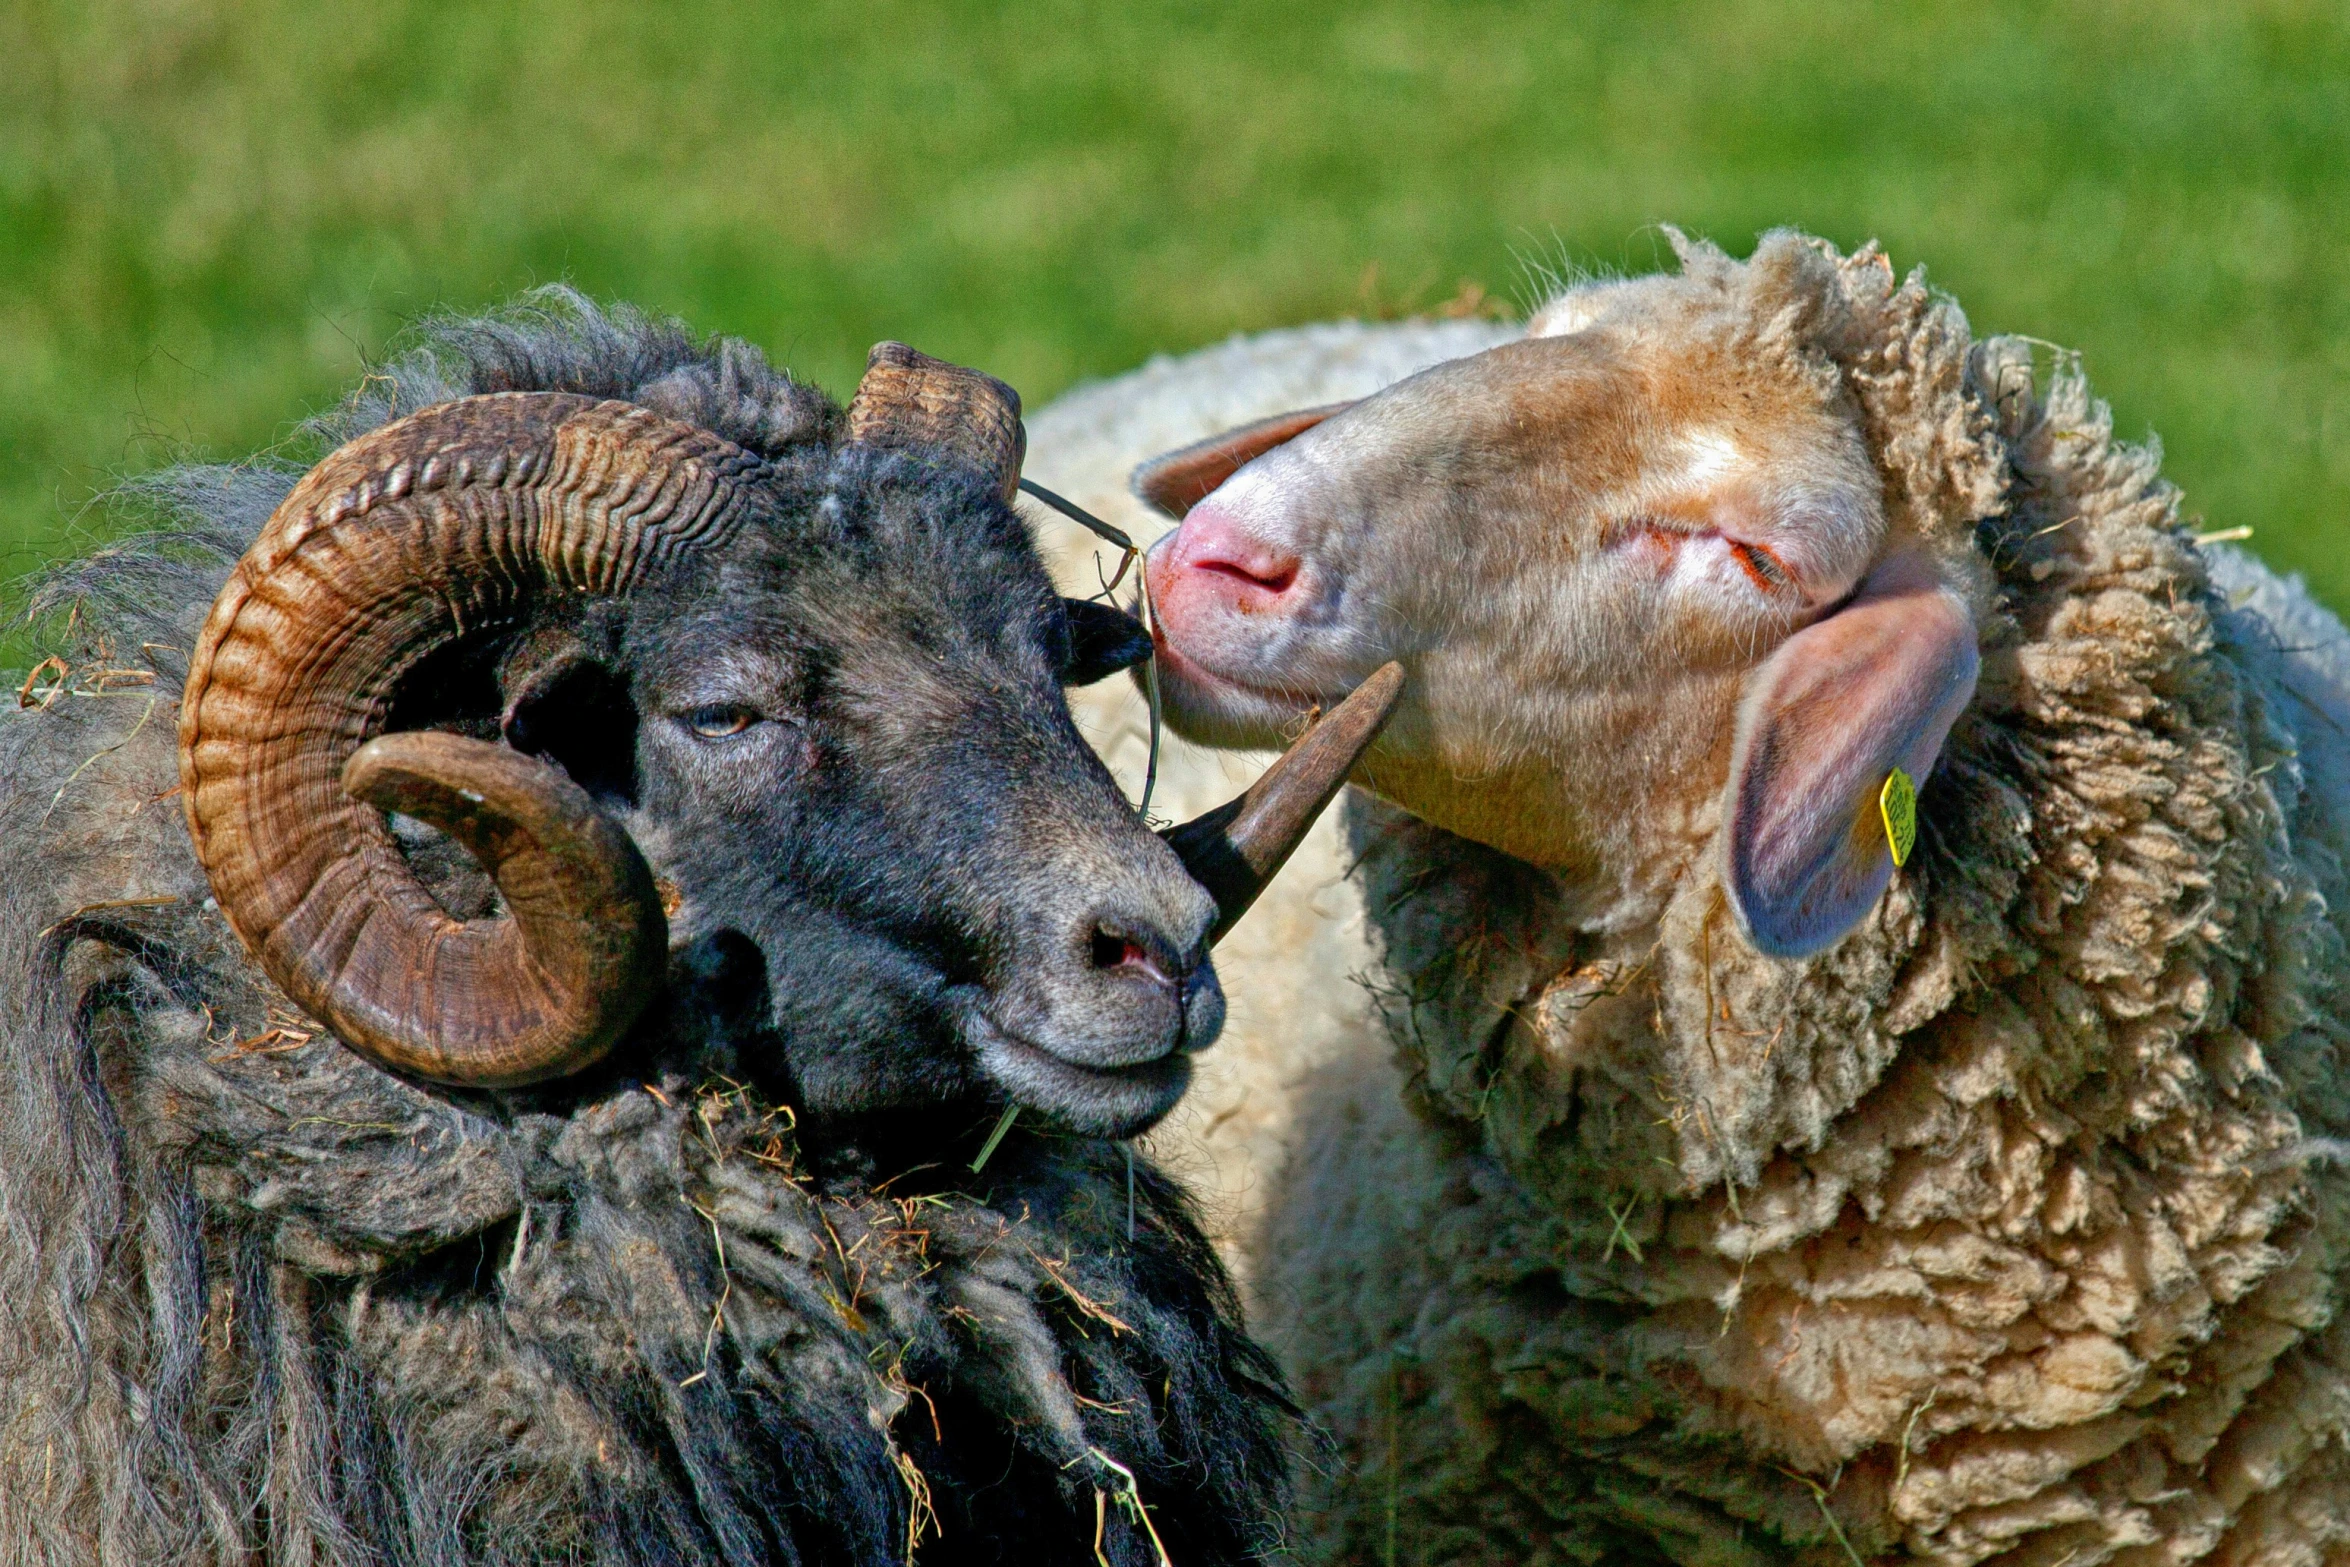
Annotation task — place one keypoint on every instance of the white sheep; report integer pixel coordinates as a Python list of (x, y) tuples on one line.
[(1757, 1201)]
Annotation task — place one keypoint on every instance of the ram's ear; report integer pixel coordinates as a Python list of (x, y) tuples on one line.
[(1102, 641), (1872, 687), (567, 704), (1180, 480)]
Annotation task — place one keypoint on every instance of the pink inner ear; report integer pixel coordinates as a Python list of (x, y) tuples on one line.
[(1874, 686), (1182, 479)]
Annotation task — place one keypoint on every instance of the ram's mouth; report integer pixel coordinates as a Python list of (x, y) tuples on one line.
[(1119, 1101)]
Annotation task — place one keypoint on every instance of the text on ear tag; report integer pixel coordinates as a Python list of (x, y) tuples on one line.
[(1897, 802)]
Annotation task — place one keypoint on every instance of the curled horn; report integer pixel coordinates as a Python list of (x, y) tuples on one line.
[(1235, 849), (910, 399), (451, 522)]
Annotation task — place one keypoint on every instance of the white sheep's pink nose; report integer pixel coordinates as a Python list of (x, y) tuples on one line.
[(1213, 562)]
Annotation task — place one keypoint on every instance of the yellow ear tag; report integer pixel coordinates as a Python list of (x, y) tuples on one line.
[(1897, 802)]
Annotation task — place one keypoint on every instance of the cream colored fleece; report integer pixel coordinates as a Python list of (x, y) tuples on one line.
[(2008, 1229)]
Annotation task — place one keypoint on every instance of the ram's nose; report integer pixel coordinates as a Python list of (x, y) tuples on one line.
[(1134, 981), (1215, 561), (1097, 1017)]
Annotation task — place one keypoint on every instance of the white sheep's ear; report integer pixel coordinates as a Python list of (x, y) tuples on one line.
[(1826, 719), (1175, 483)]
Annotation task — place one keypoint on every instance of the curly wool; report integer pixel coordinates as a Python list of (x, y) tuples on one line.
[(2009, 1229), (269, 1303)]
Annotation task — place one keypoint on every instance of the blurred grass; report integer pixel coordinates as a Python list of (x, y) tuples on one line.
[(211, 214)]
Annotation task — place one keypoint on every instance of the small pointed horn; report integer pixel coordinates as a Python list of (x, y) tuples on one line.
[(1235, 849), (910, 399)]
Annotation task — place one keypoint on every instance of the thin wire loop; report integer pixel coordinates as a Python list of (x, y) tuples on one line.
[(1079, 515), (1150, 620)]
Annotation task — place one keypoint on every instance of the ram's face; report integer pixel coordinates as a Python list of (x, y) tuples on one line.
[(852, 755), (822, 688)]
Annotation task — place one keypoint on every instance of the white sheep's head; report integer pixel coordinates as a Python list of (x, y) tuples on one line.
[(1653, 575)]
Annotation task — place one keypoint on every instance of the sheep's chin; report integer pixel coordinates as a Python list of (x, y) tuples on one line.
[(1212, 709), (1119, 1102)]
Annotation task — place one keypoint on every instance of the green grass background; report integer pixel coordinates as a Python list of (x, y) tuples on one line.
[(212, 214)]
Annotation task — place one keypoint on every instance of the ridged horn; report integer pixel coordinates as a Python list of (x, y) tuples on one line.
[(1238, 847), (452, 522), (908, 398)]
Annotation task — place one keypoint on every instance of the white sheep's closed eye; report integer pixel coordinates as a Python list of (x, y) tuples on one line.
[(1707, 551)]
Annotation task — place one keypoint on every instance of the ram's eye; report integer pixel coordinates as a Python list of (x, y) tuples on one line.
[(720, 721)]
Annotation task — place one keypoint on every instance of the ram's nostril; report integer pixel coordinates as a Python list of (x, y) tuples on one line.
[(1115, 950)]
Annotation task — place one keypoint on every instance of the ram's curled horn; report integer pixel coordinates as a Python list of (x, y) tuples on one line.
[(1235, 849), (454, 521), (910, 399)]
